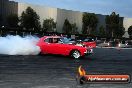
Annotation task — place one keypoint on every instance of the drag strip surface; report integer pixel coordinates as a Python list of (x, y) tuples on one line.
[(60, 72)]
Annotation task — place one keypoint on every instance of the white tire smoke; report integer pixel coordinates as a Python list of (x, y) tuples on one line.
[(16, 45)]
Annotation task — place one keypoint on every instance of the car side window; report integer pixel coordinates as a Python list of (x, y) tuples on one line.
[(60, 41), (56, 40), (48, 40), (53, 40), (88, 40)]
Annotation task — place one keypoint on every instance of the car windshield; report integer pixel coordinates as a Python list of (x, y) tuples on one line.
[(88, 40)]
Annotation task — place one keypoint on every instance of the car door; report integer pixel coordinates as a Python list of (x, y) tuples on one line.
[(63, 49), (58, 47), (47, 46), (52, 46)]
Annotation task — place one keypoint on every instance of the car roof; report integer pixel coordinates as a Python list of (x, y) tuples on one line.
[(45, 37)]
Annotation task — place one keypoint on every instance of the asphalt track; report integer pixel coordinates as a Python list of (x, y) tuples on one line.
[(60, 72)]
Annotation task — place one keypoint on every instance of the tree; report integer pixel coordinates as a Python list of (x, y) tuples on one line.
[(102, 31), (113, 25), (130, 31), (12, 20), (74, 29), (30, 19), (90, 21), (67, 27), (119, 32), (49, 25)]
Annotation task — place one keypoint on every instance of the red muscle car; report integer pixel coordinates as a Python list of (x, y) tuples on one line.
[(54, 45)]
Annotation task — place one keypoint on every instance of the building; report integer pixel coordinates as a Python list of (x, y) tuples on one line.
[(59, 15), (127, 22), (6, 8)]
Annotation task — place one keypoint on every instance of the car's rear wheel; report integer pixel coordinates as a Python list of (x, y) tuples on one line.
[(75, 54)]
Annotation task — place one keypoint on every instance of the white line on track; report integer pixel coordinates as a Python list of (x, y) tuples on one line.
[(113, 47)]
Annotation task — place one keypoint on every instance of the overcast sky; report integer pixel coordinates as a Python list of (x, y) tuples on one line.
[(122, 7)]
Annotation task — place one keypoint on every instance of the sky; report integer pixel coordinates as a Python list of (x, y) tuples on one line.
[(105, 7)]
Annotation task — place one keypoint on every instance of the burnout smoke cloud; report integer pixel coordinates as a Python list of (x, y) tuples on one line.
[(16, 45)]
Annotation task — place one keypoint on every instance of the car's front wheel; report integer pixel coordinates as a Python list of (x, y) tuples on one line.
[(75, 54)]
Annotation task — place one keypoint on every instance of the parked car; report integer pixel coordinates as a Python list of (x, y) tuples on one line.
[(104, 44), (114, 43), (129, 43), (124, 44), (109, 44), (54, 45)]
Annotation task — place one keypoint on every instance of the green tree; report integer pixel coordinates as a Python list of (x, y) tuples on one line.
[(90, 22), (30, 19), (12, 20), (130, 31), (119, 32), (102, 31), (49, 25), (113, 25), (67, 27), (74, 28)]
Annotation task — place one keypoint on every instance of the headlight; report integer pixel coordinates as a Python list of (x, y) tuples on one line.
[(90, 50), (119, 45), (108, 44)]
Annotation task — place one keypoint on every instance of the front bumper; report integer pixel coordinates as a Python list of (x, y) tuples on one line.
[(88, 52)]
